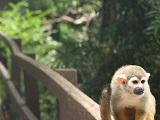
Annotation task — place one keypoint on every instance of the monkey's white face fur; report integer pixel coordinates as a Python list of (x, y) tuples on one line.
[(136, 86), (131, 79)]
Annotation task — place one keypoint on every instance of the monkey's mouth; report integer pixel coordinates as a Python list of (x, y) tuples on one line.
[(138, 91)]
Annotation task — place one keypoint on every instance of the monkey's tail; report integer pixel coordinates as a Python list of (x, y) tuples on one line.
[(105, 104)]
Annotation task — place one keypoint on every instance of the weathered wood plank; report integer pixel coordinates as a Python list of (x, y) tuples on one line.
[(23, 112), (77, 102), (31, 91), (16, 74), (15, 69), (79, 106), (69, 74), (15, 99)]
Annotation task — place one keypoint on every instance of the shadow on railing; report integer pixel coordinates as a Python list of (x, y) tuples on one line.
[(73, 103)]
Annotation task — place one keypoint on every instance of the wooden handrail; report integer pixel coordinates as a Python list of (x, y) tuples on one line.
[(79, 105), (21, 107), (11, 44)]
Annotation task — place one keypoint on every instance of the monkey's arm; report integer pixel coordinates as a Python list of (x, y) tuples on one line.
[(140, 115), (105, 104), (149, 112), (144, 116)]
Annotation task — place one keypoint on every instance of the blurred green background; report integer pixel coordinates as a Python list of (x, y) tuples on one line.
[(94, 37)]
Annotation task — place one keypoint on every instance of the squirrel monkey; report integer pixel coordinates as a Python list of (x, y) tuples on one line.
[(129, 96)]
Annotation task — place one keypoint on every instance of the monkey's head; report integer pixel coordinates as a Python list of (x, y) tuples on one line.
[(132, 79)]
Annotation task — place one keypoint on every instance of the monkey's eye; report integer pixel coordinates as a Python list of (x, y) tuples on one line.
[(143, 81), (135, 82)]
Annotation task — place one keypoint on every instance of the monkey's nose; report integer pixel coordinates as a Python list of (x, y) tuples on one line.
[(138, 91)]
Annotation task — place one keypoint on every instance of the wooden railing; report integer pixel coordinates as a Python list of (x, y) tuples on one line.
[(73, 103)]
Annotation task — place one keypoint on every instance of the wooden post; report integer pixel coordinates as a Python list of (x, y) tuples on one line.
[(3, 60), (3, 4), (18, 42), (15, 68), (71, 76), (15, 75), (31, 92)]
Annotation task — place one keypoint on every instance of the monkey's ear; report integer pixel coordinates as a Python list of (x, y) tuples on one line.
[(148, 75), (121, 79)]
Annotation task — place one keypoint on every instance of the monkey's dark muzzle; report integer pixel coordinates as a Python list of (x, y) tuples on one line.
[(138, 91)]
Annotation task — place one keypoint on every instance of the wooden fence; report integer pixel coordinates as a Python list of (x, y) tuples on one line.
[(73, 103)]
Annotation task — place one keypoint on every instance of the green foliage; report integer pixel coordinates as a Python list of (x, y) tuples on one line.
[(154, 28), (40, 4), (21, 22), (36, 4), (153, 31), (79, 44), (48, 106)]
